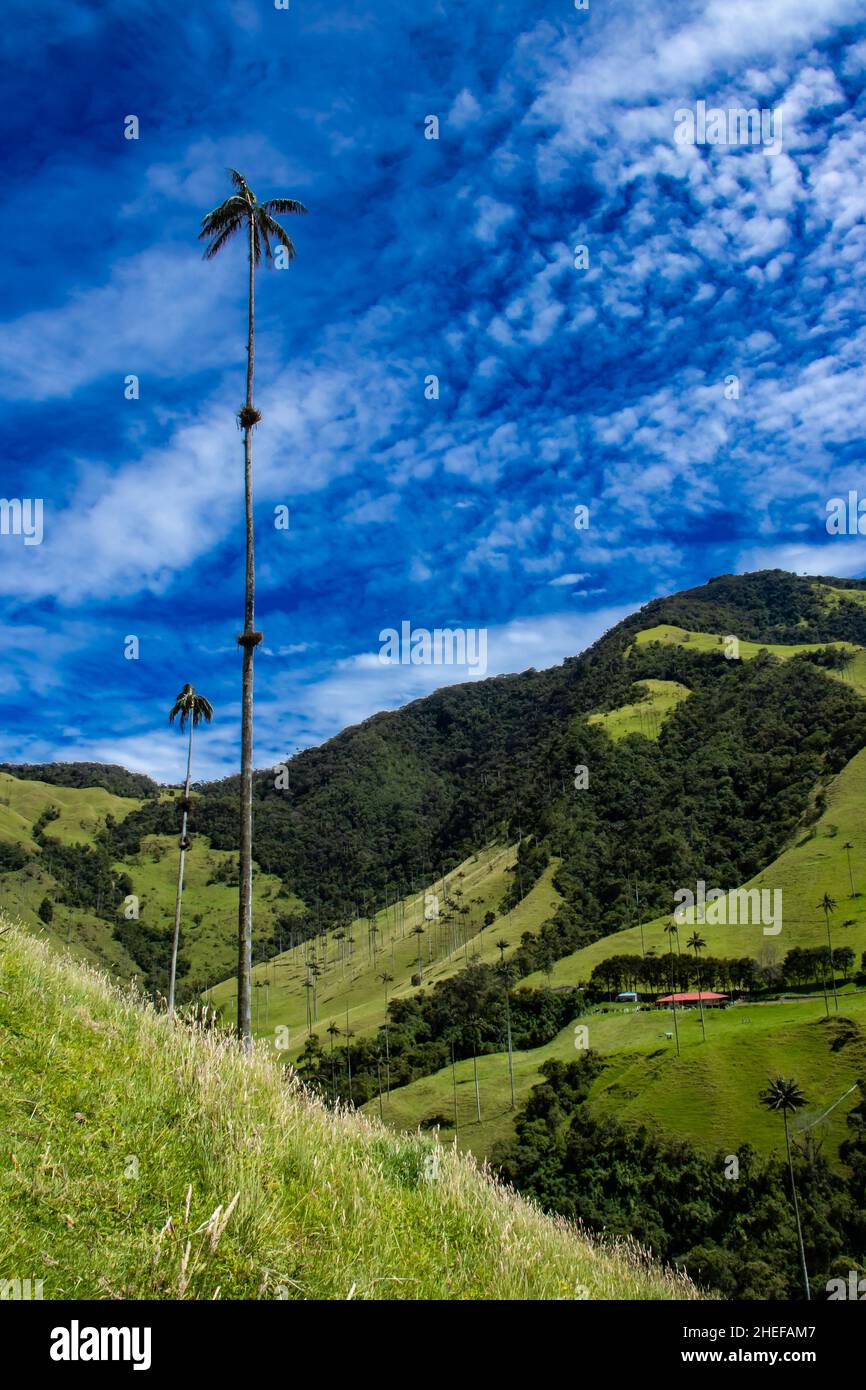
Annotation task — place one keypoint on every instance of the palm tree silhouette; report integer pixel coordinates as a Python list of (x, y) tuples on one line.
[(192, 709), (386, 981), (242, 212), (697, 943), (786, 1096), (827, 906)]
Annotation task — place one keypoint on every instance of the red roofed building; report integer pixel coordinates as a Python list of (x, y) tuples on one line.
[(705, 997)]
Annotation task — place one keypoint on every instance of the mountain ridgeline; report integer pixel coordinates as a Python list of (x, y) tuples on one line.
[(390, 803)]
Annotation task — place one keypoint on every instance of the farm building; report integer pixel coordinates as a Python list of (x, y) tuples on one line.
[(705, 997)]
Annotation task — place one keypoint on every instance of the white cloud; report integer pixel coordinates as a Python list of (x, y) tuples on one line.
[(144, 321)]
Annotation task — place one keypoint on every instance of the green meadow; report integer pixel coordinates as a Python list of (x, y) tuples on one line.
[(708, 1094)]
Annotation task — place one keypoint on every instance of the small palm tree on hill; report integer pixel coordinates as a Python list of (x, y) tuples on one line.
[(828, 906), (696, 943), (672, 932), (192, 709), (419, 932)]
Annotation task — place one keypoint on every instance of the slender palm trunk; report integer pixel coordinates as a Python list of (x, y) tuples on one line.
[(701, 996), (797, 1210), (248, 642), (454, 1090), (674, 1004), (832, 965), (508, 1033), (172, 976)]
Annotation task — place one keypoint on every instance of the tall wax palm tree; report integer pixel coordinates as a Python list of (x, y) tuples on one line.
[(192, 709), (786, 1096), (242, 212), (827, 906), (697, 943)]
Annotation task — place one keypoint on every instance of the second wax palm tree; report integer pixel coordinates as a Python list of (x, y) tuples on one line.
[(697, 943), (242, 212), (785, 1097), (192, 709), (828, 906)]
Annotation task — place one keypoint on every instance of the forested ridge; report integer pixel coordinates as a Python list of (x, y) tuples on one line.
[(390, 804), (393, 801)]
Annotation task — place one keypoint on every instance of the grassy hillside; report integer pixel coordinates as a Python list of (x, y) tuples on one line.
[(209, 943), (149, 1161), (816, 863), (646, 713), (853, 674), (82, 810), (708, 1094), (210, 904), (350, 976)]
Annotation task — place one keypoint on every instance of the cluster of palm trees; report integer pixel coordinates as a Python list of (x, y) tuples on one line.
[(242, 212)]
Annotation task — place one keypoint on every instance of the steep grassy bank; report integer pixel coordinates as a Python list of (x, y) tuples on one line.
[(141, 1160)]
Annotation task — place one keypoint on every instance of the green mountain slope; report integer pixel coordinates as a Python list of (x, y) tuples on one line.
[(350, 962), (388, 805), (97, 930)]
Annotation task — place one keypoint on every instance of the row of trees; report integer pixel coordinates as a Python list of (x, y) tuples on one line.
[(653, 974)]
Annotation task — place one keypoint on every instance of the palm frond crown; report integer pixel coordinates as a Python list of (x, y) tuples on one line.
[(242, 208), (190, 705), (782, 1094)]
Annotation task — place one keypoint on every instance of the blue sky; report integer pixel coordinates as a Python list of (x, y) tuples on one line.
[(559, 385)]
